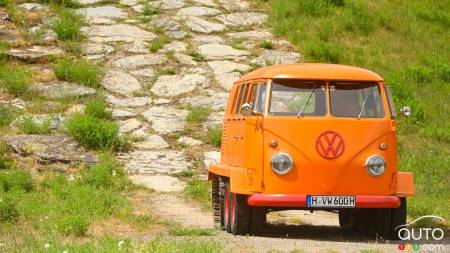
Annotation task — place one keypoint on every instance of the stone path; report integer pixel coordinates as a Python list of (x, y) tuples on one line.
[(202, 47)]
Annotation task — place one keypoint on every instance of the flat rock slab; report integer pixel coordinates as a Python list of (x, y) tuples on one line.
[(129, 125), (221, 67), (96, 51), (254, 35), (115, 33), (186, 140), (206, 2), (151, 141), (50, 148), (235, 5), (102, 12), (221, 52), (202, 26), (175, 46), (33, 53), (242, 18), (207, 39), (85, 2), (159, 183), (214, 100), (226, 80), (134, 102), (172, 28), (214, 119), (32, 6), (56, 90), (272, 57), (140, 61), (122, 114), (166, 120), (122, 83), (211, 157), (55, 121), (167, 4), (159, 161), (198, 11), (174, 85)]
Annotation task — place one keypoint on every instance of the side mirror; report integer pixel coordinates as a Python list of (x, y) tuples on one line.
[(247, 109), (406, 111)]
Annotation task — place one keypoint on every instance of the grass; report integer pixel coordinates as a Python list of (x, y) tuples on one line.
[(97, 109), (237, 44), (161, 245), (197, 114), (168, 71), (79, 71), (406, 42), (54, 206), (149, 10), (199, 190), (73, 47), (7, 115), (94, 133), (29, 126), (15, 79), (182, 231), (267, 44), (156, 45), (215, 136), (68, 25)]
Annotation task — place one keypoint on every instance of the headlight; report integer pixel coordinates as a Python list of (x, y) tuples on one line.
[(375, 165), (281, 163)]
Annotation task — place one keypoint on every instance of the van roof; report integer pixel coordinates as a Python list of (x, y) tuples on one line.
[(312, 71)]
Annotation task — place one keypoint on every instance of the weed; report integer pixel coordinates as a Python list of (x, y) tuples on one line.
[(156, 45), (73, 47), (149, 9), (267, 44), (168, 71), (97, 109), (80, 71), (94, 133), (15, 79), (200, 191), (15, 179), (7, 115), (8, 210), (68, 25), (28, 125), (215, 136), (197, 114)]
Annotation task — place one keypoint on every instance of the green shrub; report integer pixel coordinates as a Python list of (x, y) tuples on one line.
[(5, 163), (149, 10), (8, 210), (323, 51), (15, 79), (266, 44), (80, 71), (197, 114), (156, 45), (105, 174), (5, 3), (94, 133), (16, 179), (68, 25), (28, 126), (215, 136), (7, 115), (97, 109)]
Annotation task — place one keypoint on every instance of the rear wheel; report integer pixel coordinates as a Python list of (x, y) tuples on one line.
[(257, 220), (347, 220), (217, 202), (226, 207), (398, 218)]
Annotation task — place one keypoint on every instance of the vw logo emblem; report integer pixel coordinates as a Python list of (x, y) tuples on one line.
[(330, 145)]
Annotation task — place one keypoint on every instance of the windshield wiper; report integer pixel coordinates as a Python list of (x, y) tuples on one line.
[(362, 107), (307, 100)]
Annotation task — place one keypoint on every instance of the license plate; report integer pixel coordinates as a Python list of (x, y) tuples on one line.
[(330, 201)]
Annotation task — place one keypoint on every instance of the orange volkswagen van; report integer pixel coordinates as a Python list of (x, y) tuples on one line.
[(310, 137)]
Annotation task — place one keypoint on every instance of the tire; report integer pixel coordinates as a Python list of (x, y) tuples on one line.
[(257, 220), (374, 222), (240, 214), (347, 221), (226, 207), (216, 200), (398, 218)]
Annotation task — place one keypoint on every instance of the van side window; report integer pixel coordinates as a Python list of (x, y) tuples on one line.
[(390, 101), (260, 98), (252, 96), (245, 88), (238, 100)]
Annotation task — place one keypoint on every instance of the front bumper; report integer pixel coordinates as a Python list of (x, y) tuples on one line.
[(299, 200)]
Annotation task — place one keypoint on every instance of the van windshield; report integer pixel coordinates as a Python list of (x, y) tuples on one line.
[(356, 100), (298, 97)]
